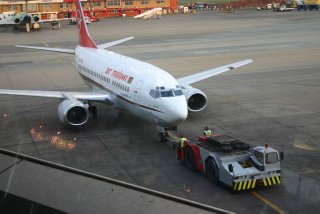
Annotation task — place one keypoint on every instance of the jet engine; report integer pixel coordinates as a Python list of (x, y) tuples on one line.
[(196, 99), (73, 112), (27, 19), (36, 18), (22, 18), (17, 20)]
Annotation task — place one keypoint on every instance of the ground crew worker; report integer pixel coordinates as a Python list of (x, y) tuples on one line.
[(182, 141), (207, 132), (181, 145)]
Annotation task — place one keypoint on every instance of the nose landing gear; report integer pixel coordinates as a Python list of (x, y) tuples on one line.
[(163, 133)]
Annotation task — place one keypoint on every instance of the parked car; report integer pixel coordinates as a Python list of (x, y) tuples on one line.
[(73, 20)]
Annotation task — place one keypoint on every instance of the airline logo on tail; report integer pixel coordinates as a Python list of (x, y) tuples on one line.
[(84, 37)]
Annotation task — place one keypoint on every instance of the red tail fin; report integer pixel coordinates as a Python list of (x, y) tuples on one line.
[(84, 37)]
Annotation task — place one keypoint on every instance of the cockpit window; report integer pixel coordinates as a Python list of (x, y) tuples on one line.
[(162, 92), (259, 156), (167, 94), (178, 92), (271, 158), (154, 93)]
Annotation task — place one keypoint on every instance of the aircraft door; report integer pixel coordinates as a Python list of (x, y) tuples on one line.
[(137, 91), (137, 98)]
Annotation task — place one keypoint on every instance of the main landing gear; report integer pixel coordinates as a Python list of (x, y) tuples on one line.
[(93, 110)]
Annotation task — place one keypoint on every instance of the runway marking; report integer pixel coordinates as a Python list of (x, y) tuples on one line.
[(266, 201), (45, 44), (301, 145)]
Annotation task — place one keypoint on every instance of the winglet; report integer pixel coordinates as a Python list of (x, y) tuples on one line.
[(84, 38)]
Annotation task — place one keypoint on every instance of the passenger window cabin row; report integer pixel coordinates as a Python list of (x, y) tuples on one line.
[(95, 74), (120, 86), (103, 78)]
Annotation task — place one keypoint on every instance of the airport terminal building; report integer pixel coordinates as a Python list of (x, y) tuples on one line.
[(97, 8)]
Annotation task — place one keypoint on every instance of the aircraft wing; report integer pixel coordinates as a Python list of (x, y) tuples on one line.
[(187, 80), (61, 50), (52, 20), (110, 44), (60, 94)]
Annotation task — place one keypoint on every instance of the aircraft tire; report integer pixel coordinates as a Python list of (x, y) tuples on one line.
[(162, 138), (93, 110)]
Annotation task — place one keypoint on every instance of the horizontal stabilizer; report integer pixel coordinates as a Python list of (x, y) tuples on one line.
[(52, 20), (212, 72), (61, 50), (110, 44)]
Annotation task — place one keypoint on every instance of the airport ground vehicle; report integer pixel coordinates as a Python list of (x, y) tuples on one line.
[(308, 5), (87, 20), (277, 7), (232, 162)]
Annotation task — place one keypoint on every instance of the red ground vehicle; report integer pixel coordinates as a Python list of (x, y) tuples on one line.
[(93, 18), (232, 162)]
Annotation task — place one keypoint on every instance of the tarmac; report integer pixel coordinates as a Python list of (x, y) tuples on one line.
[(273, 100)]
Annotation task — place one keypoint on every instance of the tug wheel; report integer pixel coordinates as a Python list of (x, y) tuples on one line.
[(189, 158), (212, 170)]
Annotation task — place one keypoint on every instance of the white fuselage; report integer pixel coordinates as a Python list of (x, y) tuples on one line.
[(7, 18), (138, 87)]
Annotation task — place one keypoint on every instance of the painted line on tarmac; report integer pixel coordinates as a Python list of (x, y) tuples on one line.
[(45, 44), (266, 201), (301, 145)]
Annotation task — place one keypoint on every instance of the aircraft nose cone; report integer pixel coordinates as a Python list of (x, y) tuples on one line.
[(179, 113)]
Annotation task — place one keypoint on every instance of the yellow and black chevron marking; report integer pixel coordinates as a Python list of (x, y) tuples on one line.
[(244, 185), (271, 181), (252, 183)]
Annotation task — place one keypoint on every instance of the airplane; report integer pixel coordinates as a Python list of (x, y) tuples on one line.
[(18, 19), (140, 88), (153, 13), (29, 20)]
